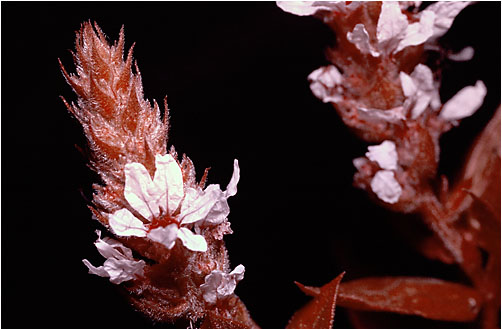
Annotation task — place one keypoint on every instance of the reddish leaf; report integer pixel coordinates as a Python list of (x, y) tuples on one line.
[(320, 312), (483, 164), (426, 297), (215, 321), (433, 248)]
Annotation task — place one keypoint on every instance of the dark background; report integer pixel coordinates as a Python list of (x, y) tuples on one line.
[(235, 77)]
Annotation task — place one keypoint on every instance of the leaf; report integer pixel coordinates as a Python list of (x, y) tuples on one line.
[(432, 248), (427, 297), (215, 321), (320, 312), (482, 165)]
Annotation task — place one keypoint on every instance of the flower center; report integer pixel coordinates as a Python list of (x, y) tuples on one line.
[(162, 221)]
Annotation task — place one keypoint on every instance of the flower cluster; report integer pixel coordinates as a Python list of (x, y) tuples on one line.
[(169, 253), (378, 93), (166, 209)]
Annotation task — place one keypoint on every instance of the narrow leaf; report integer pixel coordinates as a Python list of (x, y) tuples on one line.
[(426, 297), (320, 312)]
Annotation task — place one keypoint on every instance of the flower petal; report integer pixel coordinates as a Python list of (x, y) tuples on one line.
[(325, 84), (445, 11), (238, 272), (391, 27), (109, 248), (169, 179), (407, 84), (418, 33), (219, 285), (212, 281), (232, 185), (420, 90), (137, 189), (307, 8), (124, 223), (123, 270), (384, 154), (361, 39), (192, 241), (196, 209), (219, 212), (100, 271), (465, 54), (119, 266), (386, 187), (465, 102), (164, 235)]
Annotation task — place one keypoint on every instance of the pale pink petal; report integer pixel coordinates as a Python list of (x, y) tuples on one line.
[(100, 271), (219, 285), (325, 84), (391, 27), (465, 54), (445, 11), (192, 241), (169, 180), (361, 39), (386, 187), (384, 154), (465, 102), (193, 210), (123, 270), (418, 33), (164, 235), (137, 189), (109, 247), (308, 8), (124, 223), (232, 185)]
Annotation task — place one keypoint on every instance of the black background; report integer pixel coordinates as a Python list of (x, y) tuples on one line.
[(235, 77)]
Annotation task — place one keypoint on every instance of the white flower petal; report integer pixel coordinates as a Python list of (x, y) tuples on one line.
[(465, 102), (421, 103), (137, 190), (219, 285), (124, 223), (100, 271), (109, 248), (418, 33), (193, 210), (393, 115), (192, 241), (232, 185), (169, 179), (212, 281), (119, 265), (238, 272), (123, 270), (386, 187), (324, 83), (164, 235), (391, 27), (361, 39), (423, 77), (384, 154), (307, 8), (409, 88), (219, 212), (445, 11), (420, 90), (465, 54), (406, 4)]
